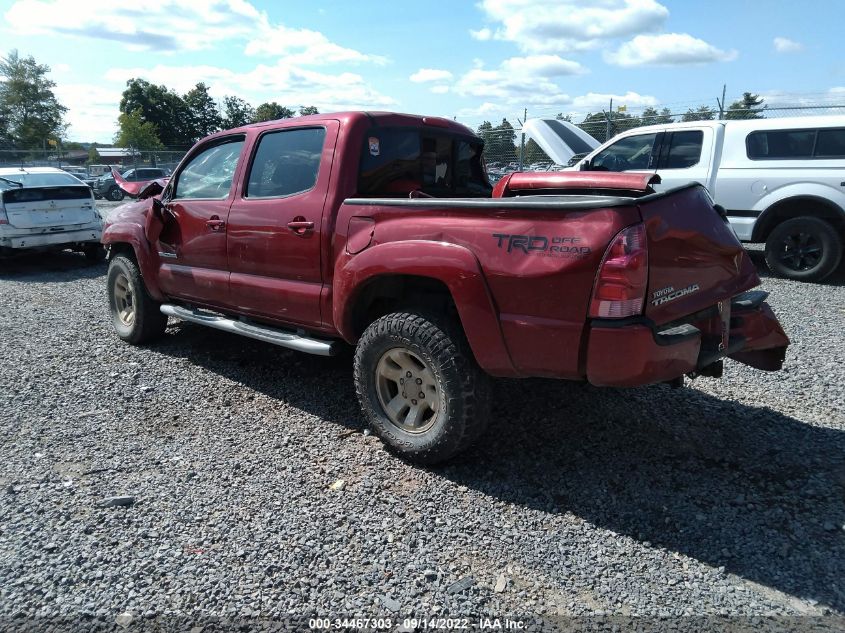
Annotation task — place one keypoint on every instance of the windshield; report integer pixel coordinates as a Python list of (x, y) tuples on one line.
[(38, 179)]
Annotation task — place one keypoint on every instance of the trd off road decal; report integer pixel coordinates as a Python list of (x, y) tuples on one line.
[(556, 246), (667, 294)]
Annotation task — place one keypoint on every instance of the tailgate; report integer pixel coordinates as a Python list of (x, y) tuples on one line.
[(695, 260), (37, 207)]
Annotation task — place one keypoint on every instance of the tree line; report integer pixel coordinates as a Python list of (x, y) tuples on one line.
[(155, 116), (500, 141)]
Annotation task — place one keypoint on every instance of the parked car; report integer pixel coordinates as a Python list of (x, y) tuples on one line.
[(79, 172), (382, 231), (781, 180), (47, 208), (107, 187)]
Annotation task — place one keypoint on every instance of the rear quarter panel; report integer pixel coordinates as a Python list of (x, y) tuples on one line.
[(539, 266)]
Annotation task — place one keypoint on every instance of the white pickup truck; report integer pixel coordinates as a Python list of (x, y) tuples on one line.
[(781, 181), (47, 208)]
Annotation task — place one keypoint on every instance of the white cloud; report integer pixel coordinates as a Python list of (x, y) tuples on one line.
[(93, 110), (282, 82), (440, 90), (786, 45), (667, 49), (430, 74), (481, 35), (566, 25), (593, 101), (172, 26), (542, 66), (506, 87)]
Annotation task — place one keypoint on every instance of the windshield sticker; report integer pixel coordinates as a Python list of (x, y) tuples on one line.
[(374, 146)]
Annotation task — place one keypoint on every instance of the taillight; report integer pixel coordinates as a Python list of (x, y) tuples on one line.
[(621, 282)]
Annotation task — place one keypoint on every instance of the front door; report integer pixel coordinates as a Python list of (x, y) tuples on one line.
[(276, 223), (192, 244)]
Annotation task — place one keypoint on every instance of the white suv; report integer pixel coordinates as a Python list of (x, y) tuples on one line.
[(44, 207), (782, 181)]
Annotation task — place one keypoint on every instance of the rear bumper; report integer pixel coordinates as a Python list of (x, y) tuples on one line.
[(630, 354), (39, 240)]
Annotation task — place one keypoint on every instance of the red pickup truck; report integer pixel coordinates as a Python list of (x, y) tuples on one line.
[(382, 231)]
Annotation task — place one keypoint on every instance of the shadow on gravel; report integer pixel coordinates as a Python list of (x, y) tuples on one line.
[(50, 267), (836, 279), (731, 485)]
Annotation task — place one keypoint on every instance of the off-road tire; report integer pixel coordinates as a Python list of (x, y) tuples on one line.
[(115, 194), (823, 236), (463, 389), (148, 323)]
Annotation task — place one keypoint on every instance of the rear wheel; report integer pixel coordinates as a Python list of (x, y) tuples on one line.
[(420, 387), (804, 249), (135, 315), (115, 194)]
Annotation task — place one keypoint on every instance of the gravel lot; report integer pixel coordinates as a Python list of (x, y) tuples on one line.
[(727, 497)]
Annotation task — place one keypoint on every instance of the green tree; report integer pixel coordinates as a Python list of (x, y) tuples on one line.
[(306, 110), (135, 132), (203, 115), (271, 111), (702, 113), (236, 112), (651, 116), (94, 157), (485, 131), (749, 107), (534, 153), (502, 147), (560, 116), (162, 107), (30, 113)]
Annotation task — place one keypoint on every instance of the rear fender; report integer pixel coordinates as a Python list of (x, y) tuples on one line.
[(453, 265)]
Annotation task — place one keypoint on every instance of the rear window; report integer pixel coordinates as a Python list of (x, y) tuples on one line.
[(397, 161), (684, 149), (830, 144), (40, 180), (792, 144)]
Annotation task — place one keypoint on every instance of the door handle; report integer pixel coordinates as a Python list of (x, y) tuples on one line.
[(215, 223), (300, 225)]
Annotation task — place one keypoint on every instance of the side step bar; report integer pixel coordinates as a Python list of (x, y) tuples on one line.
[(282, 338)]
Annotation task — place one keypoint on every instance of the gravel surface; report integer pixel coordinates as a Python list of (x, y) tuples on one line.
[(202, 476)]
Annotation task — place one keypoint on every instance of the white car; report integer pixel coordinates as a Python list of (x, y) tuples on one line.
[(781, 181), (47, 208)]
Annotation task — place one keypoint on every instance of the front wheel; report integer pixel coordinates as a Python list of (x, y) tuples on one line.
[(115, 194), (804, 249), (419, 386), (135, 314)]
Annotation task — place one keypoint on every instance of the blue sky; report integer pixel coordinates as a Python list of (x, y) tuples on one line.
[(470, 60)]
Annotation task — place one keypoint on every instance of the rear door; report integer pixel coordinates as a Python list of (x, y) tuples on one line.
[(276, 222), (192, 244), (684, 157)]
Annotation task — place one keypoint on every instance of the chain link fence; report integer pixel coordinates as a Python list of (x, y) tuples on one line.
[(504, 145), (78, 159)]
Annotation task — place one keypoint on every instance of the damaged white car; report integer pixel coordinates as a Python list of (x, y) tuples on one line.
[(44, 208)]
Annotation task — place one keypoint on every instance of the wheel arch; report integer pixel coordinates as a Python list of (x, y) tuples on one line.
[(394, 275), (129, 239), (796, 206)]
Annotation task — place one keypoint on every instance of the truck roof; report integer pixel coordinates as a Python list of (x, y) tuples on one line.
[(748, 125), (375, 118)]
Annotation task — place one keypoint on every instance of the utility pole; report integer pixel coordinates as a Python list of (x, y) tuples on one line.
[(522, 142), (609, 124), (722, 102)]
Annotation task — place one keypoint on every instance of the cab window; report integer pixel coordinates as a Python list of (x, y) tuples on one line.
[(632, 152), (286, 163), (398, 161), (208, 175), (684, 150)]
